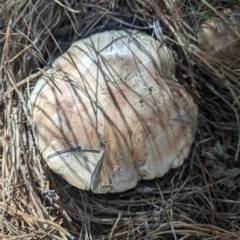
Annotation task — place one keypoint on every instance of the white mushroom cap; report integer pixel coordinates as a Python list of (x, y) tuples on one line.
[(216, 36), (106, 114)]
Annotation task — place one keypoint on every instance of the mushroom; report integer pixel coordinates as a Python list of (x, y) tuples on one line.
[(107, 114), (222, 36)]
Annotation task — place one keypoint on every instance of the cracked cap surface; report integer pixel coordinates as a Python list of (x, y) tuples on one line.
[(107, 114)]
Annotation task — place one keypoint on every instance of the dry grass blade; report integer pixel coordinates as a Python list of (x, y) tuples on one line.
[(68, 8)]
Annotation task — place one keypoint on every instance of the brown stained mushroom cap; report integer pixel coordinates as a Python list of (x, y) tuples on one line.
[(107, 114), (222, 36)]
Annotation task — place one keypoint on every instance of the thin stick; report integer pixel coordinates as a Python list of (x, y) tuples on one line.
[(114, 226)]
